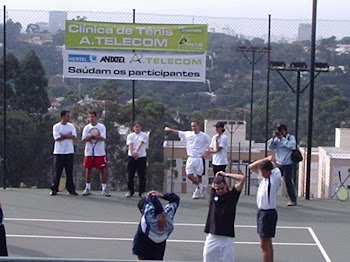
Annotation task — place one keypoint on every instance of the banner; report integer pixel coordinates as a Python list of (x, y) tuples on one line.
[(128, 65), (156, 37)]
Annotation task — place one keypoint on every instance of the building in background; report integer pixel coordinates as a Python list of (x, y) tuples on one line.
[(326, 164), (57, 20), (304, 32)]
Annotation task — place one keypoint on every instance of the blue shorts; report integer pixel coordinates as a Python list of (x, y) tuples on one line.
[(266, 223)]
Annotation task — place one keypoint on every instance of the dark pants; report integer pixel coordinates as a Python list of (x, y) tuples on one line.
[(288, 171), (64, 162), (138, 165), (219, 168)]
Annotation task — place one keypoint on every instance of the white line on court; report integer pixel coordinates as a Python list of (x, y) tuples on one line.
[(131, 239), (126, 223), (323, 251)]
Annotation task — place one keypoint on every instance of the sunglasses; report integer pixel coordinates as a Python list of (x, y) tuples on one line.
[(220, 188)]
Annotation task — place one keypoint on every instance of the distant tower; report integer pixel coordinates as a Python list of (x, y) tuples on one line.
[(57, 20), (304, 32)]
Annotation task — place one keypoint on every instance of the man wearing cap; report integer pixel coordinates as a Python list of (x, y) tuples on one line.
[(197, 147), (218, 147)]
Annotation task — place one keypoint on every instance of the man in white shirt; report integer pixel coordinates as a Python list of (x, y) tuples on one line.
[(197, 147), (266, 202), (137, 160), (64, 133), (94, 136), (218, 146)]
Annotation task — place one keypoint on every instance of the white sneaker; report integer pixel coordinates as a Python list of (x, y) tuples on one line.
[(204, 191), (86, 192), (196, 194), (106, 193), (128, 194)]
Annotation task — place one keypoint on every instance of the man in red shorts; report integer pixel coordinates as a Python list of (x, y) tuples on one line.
[(94, 136)]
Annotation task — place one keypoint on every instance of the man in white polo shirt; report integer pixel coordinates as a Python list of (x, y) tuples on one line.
[(94, 136), (64, 132), (266, 202), (197, 147)]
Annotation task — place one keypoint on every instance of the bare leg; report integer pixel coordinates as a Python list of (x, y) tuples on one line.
[(194, 179), (103, 177), (88, 175), (267, 249)]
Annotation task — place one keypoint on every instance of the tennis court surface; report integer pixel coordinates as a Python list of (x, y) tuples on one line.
[(96, 227)]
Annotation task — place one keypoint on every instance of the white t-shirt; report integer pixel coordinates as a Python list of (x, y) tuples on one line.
[(134, 139), (66, 145), (100, 145), (196, 144), (262, 199), (220, 158)]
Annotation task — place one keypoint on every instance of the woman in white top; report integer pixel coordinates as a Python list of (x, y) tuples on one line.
[(137, 159)]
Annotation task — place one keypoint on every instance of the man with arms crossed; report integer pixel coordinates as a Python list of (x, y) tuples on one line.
[(197, 143), (218, 146), (266, 201), (94, 155), (220, 225), (64, 133)]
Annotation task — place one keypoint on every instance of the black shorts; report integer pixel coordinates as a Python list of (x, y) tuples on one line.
[(147, 249), (219, 168), (266, 223)]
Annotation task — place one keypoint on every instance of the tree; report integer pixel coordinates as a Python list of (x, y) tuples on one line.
[(31, 94), (12, 75)]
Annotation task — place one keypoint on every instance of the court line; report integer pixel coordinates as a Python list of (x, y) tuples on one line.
[(128, 223), (131, 239), (320, 247)]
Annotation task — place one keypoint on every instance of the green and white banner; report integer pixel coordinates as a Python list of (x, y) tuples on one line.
[(139, 65), (153, 37)]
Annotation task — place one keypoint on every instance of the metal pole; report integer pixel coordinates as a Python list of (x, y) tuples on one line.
[(231, 133), (251, 119), (311, 98), (268, 86), (133, 81), (5, 105), (172, 167), (297, 108)]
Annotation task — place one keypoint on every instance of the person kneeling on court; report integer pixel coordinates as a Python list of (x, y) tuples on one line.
[(220, 225), (155, 225)]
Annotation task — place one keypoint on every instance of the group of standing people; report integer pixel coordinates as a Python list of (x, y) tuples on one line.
[(94, 136), (157, 222)]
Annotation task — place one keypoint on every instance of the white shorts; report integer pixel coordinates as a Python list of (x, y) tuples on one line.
[(194, 166), (218, 248)]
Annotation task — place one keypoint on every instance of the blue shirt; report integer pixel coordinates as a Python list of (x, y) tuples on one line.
[(283, 148)]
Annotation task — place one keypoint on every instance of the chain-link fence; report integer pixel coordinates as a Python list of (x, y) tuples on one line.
[(29, 140)]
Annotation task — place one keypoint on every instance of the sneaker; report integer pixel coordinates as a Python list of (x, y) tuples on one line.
[(86, 192), (53, 193), (196, 194), (143, 194), (106, 193), (290, 204), (204, 191), (73, 193), (128, 194)]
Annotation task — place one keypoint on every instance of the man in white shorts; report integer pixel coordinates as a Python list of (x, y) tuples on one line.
[(197, 147)]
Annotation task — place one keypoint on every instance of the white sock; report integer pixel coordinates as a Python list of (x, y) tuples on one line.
[(200, 186), (104, 186), (88, 186)]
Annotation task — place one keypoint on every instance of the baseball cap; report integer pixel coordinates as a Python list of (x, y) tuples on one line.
[(220, 124)]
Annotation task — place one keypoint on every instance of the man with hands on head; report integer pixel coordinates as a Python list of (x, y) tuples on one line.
[(220, 224), (155, 225), (197, 147), (266, 202)]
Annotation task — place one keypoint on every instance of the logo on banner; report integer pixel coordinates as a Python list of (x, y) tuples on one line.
[(82, 58)]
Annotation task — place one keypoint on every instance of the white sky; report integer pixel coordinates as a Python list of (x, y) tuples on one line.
[(287, 9)]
